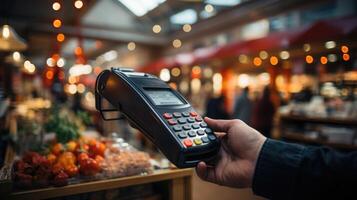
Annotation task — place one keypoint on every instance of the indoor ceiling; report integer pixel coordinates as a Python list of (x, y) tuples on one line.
[(112, 22)]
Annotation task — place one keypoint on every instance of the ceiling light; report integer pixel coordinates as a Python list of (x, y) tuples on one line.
[(332, 58), (243, 59), (165, 75), (50, 62), (131, 46), (78, 4), (330, 44), (307, 47), (56, 6), (263, 55), (209, 8), (187, 28), (176, 43), (284, 55), (9, 40), (16, 56), (156, 28), (141, 7), (188, 16), (223, 3), (110, 55), (61, 62)]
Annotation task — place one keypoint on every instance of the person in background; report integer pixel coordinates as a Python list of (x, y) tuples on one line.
[(215, 108), (263, 113), (243, 107)]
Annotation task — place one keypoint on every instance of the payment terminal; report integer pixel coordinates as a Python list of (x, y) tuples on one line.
[(159, 112)]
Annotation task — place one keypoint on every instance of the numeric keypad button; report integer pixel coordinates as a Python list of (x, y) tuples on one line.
[(204, 139), (190, 120), (177, 128), (208, 131), (192, 133), (182, 135), (177, 114), (185, 114), (186, 127), (200, 132), (195, 126), (181, 121), (203, 125)]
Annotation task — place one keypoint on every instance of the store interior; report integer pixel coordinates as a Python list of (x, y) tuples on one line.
[(286, 68)]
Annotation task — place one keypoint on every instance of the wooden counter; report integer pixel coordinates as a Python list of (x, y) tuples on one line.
[(178, 182)]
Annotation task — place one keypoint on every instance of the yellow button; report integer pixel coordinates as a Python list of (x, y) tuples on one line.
[(197, 141)]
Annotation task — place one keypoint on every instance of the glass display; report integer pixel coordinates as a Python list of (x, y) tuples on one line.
[(163, 97)]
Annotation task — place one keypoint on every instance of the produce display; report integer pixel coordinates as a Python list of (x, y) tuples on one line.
[(76, 161), (70, 157)]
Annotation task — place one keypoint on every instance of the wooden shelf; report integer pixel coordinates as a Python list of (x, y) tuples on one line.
[(304, 139), (322, 120), (180, 185)]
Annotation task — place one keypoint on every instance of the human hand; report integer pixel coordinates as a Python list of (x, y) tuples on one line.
[(240, 147)]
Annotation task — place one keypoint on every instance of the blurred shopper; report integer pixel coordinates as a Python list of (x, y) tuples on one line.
[(263, 114), (215, 108), (243, 107)]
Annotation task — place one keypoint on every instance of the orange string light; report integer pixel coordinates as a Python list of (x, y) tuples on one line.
[(274, 60), (60, 37), (323, 60), (309, 59), (257, 61), (57, 23), (346, 57)]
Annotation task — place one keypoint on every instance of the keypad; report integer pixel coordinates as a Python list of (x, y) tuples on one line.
[(195, 126), (177, 114), (186, 127), (172, 122), (190, 128), (192, 133), (204, 139), (197, 141), (177, 128), (187, 142), (200, 132), (181, 121), (190, 120), (182, 135)]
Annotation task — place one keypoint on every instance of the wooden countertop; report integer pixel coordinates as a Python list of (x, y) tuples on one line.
[(51, 192)]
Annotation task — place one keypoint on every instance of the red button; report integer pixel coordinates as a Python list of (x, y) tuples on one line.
[(193, 114), (172, 122), (199, 119), (167, 115), (187, 143)]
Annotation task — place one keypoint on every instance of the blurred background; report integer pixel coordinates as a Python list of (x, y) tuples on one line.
[(287, 68)]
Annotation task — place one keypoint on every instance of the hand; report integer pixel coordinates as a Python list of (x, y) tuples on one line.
[(240, 147)]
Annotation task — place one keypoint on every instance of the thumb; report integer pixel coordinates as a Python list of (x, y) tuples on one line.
[(218, 125), (206, 173)]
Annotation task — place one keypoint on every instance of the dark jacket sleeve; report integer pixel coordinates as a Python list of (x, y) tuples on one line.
[(291, 171)]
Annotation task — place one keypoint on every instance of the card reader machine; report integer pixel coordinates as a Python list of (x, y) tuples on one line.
[(160, 112)]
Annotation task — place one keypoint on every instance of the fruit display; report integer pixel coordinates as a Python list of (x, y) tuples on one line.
[(77, 160)]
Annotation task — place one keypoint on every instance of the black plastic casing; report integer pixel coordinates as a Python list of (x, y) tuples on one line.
[(125, 90)]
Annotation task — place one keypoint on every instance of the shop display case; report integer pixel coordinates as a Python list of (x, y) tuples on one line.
[(334, 132)]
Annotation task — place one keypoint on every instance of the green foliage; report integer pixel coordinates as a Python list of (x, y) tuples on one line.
[(65, 129)]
